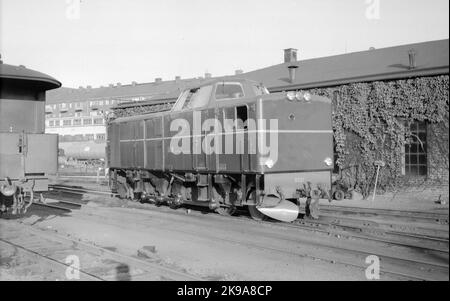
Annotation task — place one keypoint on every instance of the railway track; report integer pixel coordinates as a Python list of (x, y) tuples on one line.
[(328, 210), (435, 245), (80, 190), (334, 253), (356, 228), (39, 248), (399, 216), (59, 205)]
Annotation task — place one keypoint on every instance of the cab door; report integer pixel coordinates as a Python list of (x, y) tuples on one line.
[(41, 154), (11, 155)]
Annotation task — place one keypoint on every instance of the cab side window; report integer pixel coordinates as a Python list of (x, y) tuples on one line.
[(229, 91), (198, 99)]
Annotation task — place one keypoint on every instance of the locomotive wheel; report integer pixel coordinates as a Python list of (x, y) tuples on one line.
[(226, 211)]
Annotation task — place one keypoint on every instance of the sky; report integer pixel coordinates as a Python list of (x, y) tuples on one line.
[(98, 42)]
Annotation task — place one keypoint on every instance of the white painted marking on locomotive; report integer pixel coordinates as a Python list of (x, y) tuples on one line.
[(233, 133)]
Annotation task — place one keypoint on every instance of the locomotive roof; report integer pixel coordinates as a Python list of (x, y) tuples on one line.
[(225, 78), (21, 73)]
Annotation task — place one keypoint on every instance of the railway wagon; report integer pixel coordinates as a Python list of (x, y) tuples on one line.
[(226, 144), (27, 155)]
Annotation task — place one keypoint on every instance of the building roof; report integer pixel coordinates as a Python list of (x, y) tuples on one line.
[(156, 90), (432, 58), (10, 72)]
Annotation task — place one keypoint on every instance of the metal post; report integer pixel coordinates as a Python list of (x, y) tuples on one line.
[(376, 183), (379, 164)]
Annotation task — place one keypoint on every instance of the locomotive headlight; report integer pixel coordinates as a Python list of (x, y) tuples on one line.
[(270, 163), (307, 96), (328, 161), (299, 96), (291, 96)]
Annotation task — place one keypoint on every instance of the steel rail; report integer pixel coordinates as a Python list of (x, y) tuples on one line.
[(148, 267), (352, 229), (50, 259), (331, 248)]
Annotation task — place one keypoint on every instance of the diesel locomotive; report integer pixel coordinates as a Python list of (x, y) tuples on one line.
[(27, 155), (226, 144)]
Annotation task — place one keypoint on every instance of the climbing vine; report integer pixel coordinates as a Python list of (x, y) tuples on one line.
[(371, 123)]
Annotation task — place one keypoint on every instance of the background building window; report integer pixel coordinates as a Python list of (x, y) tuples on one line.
[(87, 121), (416, 161), (67, 122), (98, 121), (101, 137), (77, 122)]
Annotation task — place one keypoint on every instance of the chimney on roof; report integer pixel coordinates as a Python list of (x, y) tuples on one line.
[(134, 83), (292, 73), (208, 75), (177, 78), (412, 59), (89, 87), (119, 84), (290, 55), (111, 85), (238, 72), (80, 87), (1, 62), (158, 80)]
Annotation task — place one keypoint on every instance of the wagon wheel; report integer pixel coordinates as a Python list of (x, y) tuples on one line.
[(339, 195), (254, 212)]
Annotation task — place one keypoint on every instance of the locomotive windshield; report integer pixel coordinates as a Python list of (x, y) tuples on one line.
[(193, 99)]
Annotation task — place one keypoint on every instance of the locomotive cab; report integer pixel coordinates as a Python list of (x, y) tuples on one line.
[(27, 155)]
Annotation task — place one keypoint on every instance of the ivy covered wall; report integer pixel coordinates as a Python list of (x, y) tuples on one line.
[(371, 123)]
